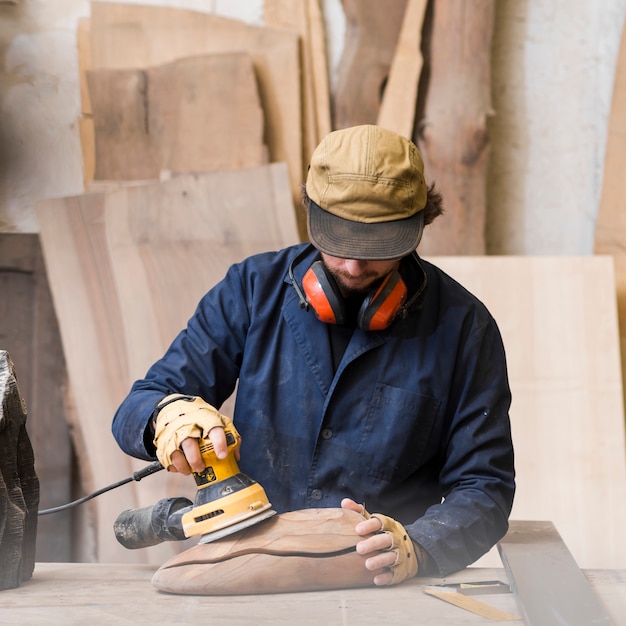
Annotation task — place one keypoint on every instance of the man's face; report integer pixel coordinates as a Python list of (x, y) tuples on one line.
[(355, 277)]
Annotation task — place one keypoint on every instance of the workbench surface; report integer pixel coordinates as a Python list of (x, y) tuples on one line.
[(116, 594)]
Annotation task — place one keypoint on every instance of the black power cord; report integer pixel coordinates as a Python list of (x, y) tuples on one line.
[(146, 471)]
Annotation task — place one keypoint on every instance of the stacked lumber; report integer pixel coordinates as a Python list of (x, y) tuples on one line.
[(196, 132)]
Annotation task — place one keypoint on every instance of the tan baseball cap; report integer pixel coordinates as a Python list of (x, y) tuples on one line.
[(367, 191)]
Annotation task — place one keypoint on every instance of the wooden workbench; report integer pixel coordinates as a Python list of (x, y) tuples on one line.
[(111, 594)]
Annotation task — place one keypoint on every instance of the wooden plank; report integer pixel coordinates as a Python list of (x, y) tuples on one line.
[(397, 110), (194, 114), (611, 220), (115, 258), (319, 67), (558, 320), (453, 132), (372, 29), (128, 36), (548, 585), (29, 332)]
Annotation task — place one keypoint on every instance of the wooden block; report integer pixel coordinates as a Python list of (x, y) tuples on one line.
[(558, 320), (195, 114), (115, 261), (304, 550), (19, 485)]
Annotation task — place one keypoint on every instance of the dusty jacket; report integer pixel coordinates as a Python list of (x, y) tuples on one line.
[(414, 422)]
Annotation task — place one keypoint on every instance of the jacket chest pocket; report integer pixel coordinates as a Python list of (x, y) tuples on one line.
[(396, 432)]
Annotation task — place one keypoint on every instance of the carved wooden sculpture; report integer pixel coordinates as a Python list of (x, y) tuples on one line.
[(19, 486), (304, 550)]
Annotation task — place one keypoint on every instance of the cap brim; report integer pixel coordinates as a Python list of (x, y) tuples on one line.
[(347, 239)]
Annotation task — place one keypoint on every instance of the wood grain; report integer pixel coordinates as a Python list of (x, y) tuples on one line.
[(115, 258)]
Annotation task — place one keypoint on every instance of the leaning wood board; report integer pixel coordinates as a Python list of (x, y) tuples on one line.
[(558, 320), (132, 36), (611, 222), (197, 113), (127, 268)]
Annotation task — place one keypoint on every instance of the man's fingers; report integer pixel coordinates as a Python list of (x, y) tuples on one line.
[(191, 454), (380, 541), (351, 505), (218, 439)]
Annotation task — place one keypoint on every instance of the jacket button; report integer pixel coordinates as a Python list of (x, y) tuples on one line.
[(316, 494), (327, 433)]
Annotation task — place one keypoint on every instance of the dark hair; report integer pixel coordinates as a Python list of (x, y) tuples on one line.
[(432, 210)]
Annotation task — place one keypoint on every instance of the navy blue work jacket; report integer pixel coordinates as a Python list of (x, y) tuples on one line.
[(414, 422)]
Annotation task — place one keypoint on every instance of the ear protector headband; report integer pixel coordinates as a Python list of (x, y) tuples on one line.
[(379, 309)]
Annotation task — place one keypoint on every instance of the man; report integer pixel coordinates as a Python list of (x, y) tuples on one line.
[(367, 378)]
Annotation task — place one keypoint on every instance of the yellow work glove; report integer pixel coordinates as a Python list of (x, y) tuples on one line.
[(180, 417), (406, 564)]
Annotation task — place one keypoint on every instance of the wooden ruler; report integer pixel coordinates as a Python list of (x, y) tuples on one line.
[(470, 603)]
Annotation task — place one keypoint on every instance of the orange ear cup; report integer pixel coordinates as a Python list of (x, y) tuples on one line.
[(380, 308), (323, 295)]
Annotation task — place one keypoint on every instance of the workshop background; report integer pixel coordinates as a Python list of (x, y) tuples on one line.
[(146, 146)]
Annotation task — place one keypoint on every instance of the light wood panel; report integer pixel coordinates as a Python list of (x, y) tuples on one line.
[(610, 235), (558, 318), (126, 268)]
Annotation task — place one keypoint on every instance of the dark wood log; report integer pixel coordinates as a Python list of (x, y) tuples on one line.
[(19, 485)]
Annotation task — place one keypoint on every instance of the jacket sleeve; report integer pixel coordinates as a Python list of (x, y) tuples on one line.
[(203, 360), (477, 476)]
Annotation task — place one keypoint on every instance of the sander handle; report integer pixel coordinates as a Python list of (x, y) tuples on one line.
[(148, 526)]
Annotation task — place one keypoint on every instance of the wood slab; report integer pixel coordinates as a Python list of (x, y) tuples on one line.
[(304, 550), (397, 109), (372, 29), (453, 134), (611, 220), (128, 36), (114, 260), (198, 113), (558, 319)]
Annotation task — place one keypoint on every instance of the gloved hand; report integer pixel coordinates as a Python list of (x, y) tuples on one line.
[(406, 564), (179, 417)]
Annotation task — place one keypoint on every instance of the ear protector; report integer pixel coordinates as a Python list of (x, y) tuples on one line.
[(379, 309)]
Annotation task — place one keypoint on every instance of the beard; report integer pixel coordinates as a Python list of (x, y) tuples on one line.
[(367, 280)]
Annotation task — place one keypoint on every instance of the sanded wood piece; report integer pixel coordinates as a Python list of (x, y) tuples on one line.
[(19, 485), (372, 29), (453, 134), (194, 114), (548, 586), (127, 268), (305, 550)]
